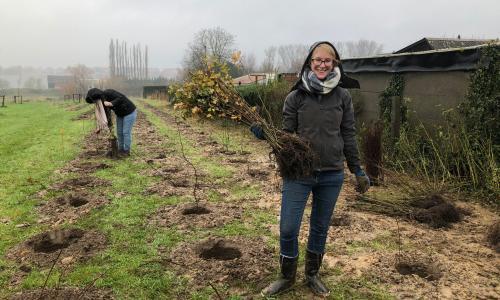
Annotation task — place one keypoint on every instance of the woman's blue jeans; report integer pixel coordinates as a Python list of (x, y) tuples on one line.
[(124, 130), (325, 187)]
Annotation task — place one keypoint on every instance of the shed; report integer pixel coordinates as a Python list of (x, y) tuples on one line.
[(155, 92), (435, 80)]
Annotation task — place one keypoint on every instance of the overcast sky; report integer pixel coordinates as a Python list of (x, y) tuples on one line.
[(58, 33)]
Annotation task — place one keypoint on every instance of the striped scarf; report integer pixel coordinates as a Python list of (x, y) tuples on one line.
[(317, 86)]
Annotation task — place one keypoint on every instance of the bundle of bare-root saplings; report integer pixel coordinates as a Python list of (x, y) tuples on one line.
[(293, 154)]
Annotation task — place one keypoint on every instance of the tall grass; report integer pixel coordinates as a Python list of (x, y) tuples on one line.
[(448, 158)]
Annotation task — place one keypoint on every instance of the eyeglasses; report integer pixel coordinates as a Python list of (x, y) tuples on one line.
[(319, 61)]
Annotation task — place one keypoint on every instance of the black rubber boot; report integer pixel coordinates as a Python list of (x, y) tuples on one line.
[(313, 263), (124, 153), (287, 278)]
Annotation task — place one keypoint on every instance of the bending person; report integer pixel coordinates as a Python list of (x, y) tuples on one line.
[(125, 112)]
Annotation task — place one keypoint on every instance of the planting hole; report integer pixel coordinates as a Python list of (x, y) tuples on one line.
[(419, 269), (77, 201), (55, 240), (196, 210), (219, 251)]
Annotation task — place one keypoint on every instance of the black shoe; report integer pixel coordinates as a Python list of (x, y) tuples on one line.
[(312, 265), (124, 153), (287, 278)]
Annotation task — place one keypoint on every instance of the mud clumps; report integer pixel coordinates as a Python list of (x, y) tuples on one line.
[(424, 271), (340, 220), (67, 293), (222, 260), (493, 236), (217, 249), (43, 249), (257, 173), (74, 200), (180, 183), (55, 240), (188, 216), (436, 211), (80, 183), (89, 167)]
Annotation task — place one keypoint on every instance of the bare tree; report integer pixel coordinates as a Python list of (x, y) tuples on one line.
[(112, 59), (30, 83), (248, 64), (146, 63), (358, 48), (81, 75), (292, 57), (127, 61), (214, 43), (4, 84), (269, 65)]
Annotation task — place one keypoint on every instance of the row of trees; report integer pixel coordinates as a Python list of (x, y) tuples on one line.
[(219, 45), (128, 62)]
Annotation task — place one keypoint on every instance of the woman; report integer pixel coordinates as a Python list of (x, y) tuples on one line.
[(125, 112), (318, 109)]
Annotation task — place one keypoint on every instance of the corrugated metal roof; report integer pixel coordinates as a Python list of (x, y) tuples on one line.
[(428, 43), (464, 58)]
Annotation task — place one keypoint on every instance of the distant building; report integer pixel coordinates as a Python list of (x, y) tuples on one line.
[(58, 81), (254, 78), (290, 77)]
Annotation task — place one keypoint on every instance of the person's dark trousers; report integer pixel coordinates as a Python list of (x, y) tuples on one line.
[(325, 187), (288, 272), (124, 131)]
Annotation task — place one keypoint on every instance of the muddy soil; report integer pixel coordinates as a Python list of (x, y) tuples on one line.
[(65, 293), (458, 259), (43, 249), (189, 216), (80, 183), (223, 261), (69, 207), (85, 166)]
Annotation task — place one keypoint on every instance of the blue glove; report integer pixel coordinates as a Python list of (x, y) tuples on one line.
[(362, 180), (257, 130)]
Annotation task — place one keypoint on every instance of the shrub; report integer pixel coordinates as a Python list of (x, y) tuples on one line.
[(269, 98)]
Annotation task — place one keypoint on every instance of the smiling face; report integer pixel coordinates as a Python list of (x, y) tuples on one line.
[(323, 61)]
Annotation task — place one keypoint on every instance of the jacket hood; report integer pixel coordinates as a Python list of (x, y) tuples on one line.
[(345, 81), (93, 94)]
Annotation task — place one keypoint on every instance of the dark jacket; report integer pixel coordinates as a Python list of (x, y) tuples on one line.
[(326, 121), (95, 94), (122, 106)]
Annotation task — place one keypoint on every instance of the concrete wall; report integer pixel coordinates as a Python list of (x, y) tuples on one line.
[(429, 93)]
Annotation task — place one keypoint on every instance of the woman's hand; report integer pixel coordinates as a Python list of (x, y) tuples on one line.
[(258, 131), (363, 181), (108, 104)]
